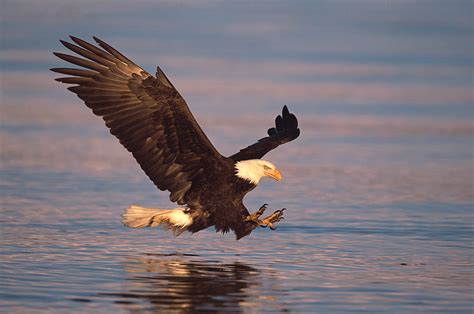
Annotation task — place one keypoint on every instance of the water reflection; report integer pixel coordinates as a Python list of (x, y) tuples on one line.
[(186, 284)]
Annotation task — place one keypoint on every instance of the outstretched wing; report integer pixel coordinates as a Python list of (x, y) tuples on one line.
[(285, 130), (147, 115)]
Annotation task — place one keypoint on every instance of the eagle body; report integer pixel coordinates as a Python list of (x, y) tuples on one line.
[(220, 205), (152, 120)]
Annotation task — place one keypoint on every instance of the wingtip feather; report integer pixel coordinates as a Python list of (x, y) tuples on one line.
[(81, 42), (74, 38)]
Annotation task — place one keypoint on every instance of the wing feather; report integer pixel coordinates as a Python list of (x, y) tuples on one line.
[(75, 72), (285, 130), (96, 51), (146, 114), (80, 62)]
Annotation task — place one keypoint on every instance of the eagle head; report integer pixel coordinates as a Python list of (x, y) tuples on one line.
[(254, 169)]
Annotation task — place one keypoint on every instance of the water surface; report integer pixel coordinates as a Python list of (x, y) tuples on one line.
[(379, 186), (382, 234)]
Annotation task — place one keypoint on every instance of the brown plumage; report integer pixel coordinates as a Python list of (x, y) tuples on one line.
[(152, 121)]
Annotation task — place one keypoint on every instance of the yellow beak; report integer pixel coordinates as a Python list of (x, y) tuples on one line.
[(275, 174)]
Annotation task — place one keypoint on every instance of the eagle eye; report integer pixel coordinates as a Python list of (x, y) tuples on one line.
[(265, 167)]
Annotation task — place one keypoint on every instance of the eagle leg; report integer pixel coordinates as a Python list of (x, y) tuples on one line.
[(255, 216), (273, 218)]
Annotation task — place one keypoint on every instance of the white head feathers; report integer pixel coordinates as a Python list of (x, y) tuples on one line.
[(254, 169)]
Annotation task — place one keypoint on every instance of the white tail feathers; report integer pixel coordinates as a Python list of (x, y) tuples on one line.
[(140, 217)]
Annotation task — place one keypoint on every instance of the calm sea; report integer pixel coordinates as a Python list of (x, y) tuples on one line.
[(374, 223), (379, 187)]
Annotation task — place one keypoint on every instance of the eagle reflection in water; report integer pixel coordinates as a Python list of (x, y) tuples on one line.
[(177, 284)]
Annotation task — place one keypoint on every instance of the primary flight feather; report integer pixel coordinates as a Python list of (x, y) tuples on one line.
[(152, 121)]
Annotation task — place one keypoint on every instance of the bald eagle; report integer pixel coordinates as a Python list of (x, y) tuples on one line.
[(152, 121)]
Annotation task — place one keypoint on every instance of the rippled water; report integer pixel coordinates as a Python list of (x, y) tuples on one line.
[(393, 233), (379, 187)]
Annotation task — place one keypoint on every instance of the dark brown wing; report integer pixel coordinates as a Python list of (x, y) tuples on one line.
[(147, 115), (285, 130)]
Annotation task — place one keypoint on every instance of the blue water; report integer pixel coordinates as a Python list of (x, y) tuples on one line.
[(345, 245)]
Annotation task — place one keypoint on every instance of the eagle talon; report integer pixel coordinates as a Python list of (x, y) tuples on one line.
[(273, 218), (255, 216), (261, 210)]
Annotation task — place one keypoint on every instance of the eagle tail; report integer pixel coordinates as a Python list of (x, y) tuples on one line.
[(139, 217)]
